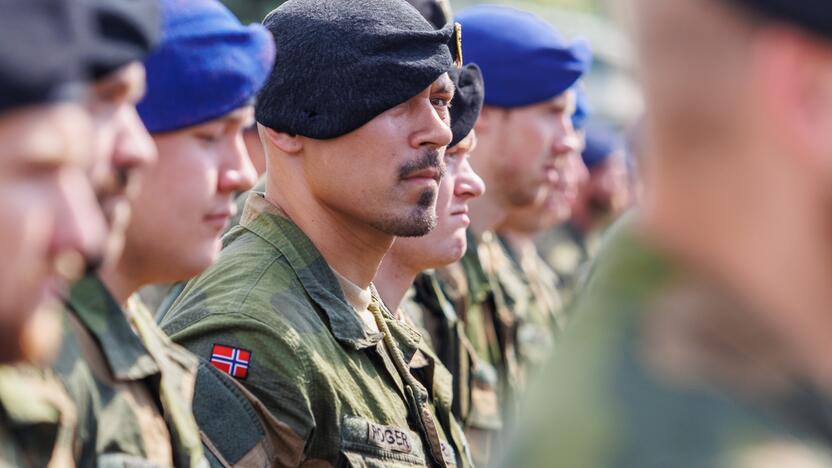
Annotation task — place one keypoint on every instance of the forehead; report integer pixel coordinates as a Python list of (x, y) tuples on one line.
[(44, 135)]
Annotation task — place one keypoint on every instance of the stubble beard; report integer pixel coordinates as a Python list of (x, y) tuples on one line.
[(417, 223)]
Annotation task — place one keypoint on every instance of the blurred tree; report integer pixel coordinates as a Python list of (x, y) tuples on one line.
[(251, 11)]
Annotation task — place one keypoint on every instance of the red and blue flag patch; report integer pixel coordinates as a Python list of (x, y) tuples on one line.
[(233, 361)]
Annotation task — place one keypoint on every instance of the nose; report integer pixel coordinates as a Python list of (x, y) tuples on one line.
[(432, 128), (79, 231), (134, 146), (468, 184), (237, 173)]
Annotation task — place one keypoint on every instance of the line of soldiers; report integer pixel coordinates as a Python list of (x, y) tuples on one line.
[(383, 301), (123, 148)]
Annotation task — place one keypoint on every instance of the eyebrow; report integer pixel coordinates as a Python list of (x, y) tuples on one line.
[(446, 86)]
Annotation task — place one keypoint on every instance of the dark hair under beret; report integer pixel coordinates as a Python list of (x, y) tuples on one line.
[(340, 63)]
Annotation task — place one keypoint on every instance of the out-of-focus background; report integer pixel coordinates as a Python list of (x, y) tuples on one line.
[(611, 86)]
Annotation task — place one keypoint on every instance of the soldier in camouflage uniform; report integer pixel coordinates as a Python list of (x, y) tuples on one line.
[(703, 333), (410, 258), (354, 153), (133, 386), (601, 199), (518, 143), (52, 224)]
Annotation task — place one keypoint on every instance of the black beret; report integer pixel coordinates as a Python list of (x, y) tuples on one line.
[(340, 63), (39, 52), (467, 103), (119, 32), (814, 15), (437, 12)]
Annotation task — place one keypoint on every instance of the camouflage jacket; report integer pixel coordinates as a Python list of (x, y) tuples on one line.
[(568, 251), (271, 313), (133, 389), (664, 368), (37, 419), (527, 284)]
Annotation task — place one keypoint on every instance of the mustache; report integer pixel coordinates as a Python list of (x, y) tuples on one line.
[(429, 159)]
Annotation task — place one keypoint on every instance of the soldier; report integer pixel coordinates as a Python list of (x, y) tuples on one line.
[(703, 338), (522, 130), (423, 304), (600, 200), (355, 121), (126, 373), (52, 224)]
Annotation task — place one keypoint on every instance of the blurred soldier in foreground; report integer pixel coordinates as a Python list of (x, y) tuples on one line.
[(704, 331), (355, 122), (120, 357), (52, 225), (602, 197), (521, 132)]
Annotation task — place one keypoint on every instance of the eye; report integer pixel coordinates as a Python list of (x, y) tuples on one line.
[(441, 102), (209, 138)]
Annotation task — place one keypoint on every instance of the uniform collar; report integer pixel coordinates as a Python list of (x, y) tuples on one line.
[(102, 316), (271, 224), (478, 286)]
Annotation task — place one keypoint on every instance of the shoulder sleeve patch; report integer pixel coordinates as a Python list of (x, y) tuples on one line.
[(233, 361)]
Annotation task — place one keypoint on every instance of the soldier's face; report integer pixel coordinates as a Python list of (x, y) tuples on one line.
[(123, 148), (51, 220), (447, 242), (386, 173), (531, 140), (187, 198)]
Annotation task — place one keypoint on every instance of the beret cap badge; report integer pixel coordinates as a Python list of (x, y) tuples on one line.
[(458, 45)]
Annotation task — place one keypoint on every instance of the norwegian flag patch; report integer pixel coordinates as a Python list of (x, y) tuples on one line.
[(232, 361)]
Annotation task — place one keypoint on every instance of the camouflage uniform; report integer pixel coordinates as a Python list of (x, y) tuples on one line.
[(664, 369), (133, 389), (526, 282), (349, 396), (37, 419), (568, 251), (474, 299)]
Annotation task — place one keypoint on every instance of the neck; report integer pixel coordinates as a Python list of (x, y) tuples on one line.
[(486, 213), (393, 280), (760, 230), (119, 281), (350, 247), (581, 217)]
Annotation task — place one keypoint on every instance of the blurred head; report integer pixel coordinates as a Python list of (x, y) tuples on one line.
[(521, 148), (123, 148), (738, 166), (606, 192), (525, 124), (447, 242), (553, 205), (117, 36), (53, 224)]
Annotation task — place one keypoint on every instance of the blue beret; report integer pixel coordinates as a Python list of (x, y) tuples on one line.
[(467, 102), (40, 52), (601, 142), (207, 65), (342, 63), (524, 60), (582, 108)]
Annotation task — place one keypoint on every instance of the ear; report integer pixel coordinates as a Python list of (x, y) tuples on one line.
[(795, 72), (485, 121), (285, 142)]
